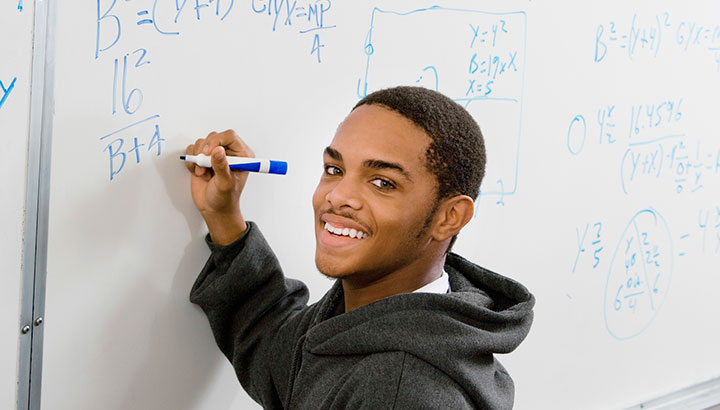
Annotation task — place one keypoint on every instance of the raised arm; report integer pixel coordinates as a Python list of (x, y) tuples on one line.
[(256, 314), (216, 191)]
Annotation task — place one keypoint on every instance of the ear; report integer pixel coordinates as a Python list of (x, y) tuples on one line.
[(452, 215)]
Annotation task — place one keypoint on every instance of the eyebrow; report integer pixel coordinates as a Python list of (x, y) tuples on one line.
[(371, 163), (333, 153), (379, 164)]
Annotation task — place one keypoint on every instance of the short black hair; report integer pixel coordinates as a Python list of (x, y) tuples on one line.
[(456, 154)]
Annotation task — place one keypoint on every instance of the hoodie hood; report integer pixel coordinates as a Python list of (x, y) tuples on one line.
[(457, 332)]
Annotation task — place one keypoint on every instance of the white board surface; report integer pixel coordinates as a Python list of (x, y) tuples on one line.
[(16, 34), (602, 193)]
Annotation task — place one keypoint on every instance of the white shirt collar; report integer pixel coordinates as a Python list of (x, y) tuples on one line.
[(439, 285)]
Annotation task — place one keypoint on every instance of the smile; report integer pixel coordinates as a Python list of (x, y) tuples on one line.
[(353, 233)]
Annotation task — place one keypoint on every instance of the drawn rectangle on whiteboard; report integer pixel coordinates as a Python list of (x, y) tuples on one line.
[(477, 58)]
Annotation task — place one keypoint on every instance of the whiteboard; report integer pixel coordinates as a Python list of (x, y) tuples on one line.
[(601, 193), (16, 35)]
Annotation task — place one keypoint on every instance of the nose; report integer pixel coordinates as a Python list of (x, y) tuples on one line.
[(344, 194)]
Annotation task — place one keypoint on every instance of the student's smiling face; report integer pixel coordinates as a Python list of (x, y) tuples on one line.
[(374, 181)]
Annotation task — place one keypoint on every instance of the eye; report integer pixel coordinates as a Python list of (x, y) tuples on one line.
[(383, 184), (332, 170)]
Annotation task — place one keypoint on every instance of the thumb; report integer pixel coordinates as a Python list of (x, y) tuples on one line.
[(223, 175)]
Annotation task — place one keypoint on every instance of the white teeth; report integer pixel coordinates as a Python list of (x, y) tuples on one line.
[(353, 233)]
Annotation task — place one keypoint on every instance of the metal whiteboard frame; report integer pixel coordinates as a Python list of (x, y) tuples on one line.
[(696, 397), (37, 204)]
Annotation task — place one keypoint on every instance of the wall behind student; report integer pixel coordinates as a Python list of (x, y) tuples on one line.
[(16, 35), (601, 192)]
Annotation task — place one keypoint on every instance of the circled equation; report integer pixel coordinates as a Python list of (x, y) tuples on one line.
[(639, 277)]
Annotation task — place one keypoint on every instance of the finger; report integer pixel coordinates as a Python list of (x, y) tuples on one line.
[(198, 147), (199, 144), (208, 144), (190, 151), (223, 175), (205, 146), (233, 144)]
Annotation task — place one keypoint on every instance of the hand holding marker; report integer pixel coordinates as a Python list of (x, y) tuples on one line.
[(266, 166)]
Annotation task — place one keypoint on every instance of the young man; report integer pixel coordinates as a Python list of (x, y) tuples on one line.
[(407, 325)]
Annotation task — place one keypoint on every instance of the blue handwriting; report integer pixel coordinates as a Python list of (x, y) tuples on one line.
[(309, 16), (593, 244), (129, 143), (639, 276), (6, 91), (646, 36)]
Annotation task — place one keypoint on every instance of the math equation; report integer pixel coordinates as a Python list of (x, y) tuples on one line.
[(647, 36), (640, 273), (652, 147), (641, 264), (123, 30)]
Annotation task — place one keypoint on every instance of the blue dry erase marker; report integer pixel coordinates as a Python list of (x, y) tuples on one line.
[(266, 166)]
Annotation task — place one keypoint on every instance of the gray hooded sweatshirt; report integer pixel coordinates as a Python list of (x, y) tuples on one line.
[(408, 351)]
